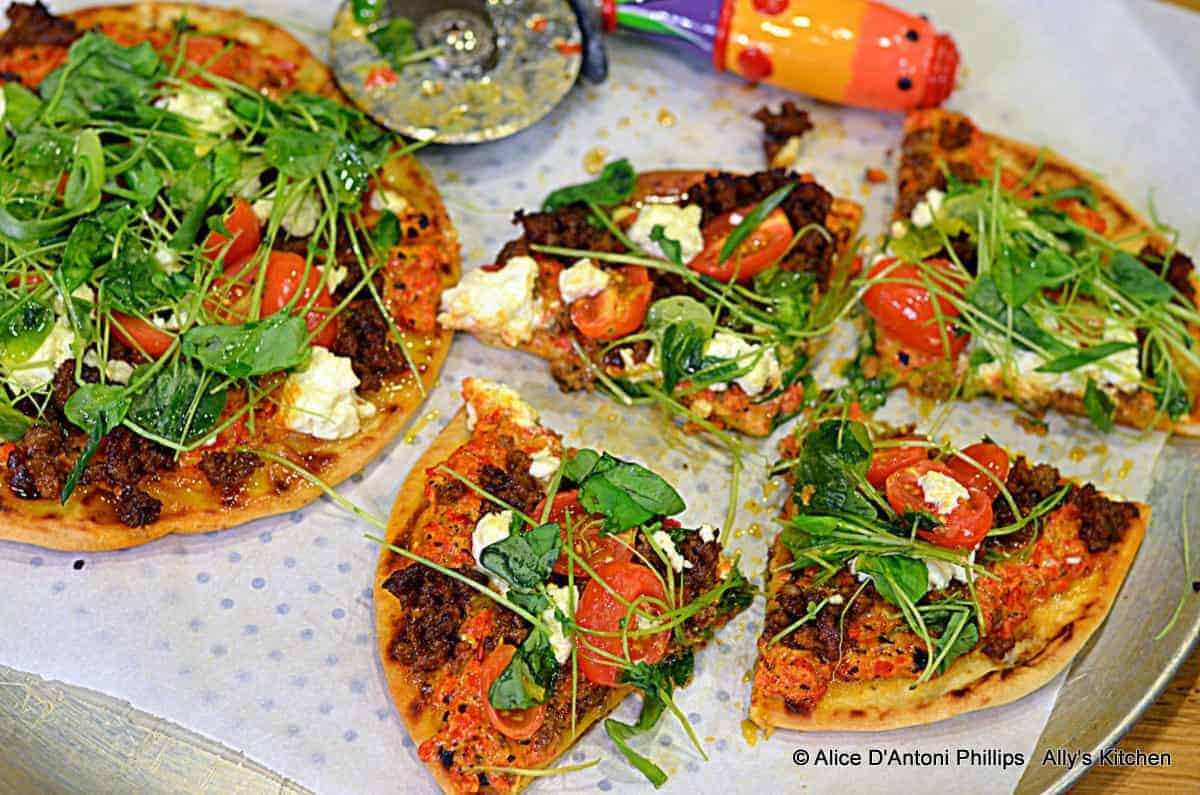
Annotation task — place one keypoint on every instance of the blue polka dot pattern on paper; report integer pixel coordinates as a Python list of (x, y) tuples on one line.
[(226, 603), (258, 583), (283, 609), (338, 614), (203, 577)]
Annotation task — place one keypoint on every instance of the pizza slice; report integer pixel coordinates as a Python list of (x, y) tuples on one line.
[(1012, 272), (213, 275), (915, 581), (526, 588), (702, 291)]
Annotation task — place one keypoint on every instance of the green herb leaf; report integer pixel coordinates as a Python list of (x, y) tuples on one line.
[(680, 352), (97, 409), (1100, 407), (1084, 356), (1135, 280), (626, 494), (278, 342), (366, 11), (670, 247), (957, 632), (656, 683), (22, 106), (387, 231), (300, 154), (395, 40), (679, 309), (753, 220), (529, 677), (524, 560), (178, 403), (893, 575), (834, 462), (614, 185), (13, 423), (24, 326)]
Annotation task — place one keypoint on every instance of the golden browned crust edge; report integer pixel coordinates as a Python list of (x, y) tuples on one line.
[(974, 681), (407, 512), (70, 528)]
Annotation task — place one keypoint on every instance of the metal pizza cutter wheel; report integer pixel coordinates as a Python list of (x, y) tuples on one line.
[(502, 65)]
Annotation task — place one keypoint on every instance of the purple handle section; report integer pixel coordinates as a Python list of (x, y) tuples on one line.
[(692, 23)]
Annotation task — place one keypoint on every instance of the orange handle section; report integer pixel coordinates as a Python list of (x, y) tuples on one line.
[(852, 52)]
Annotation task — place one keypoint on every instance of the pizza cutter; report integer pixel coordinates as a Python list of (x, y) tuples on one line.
[(498, 66)]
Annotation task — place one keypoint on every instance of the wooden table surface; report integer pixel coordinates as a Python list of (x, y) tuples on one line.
[(1172, 725)]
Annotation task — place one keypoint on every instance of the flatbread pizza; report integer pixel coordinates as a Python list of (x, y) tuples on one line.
[(524, 589), (1013, 272), (215, 276), (703, 292), (915, 581)]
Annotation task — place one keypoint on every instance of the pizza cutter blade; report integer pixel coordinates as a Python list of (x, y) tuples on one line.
[(500, 66)]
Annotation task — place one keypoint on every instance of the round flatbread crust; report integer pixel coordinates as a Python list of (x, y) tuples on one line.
[(88, 522), (411, 511), (1059, 630)]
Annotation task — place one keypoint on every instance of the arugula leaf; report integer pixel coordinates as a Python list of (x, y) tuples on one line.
[(1084, 356), (985, 295), (41, 154), (101, 79), (277, 342), (22, 106), (13, 423), (97, 409), (134, 283), (24, 326), (1100, 407), (680, 352), (834, 462), (1049, 268), (144, 181), (896, 575), (792, 292), (626, 494), (738, 596), (532, 602), (677, 309), (86, 179), (1137, 281), (178, 403), (348, 173), (1083, 192), (956, 630), (528, 679), (524, 560), (656, 683), (614, 185), (670, 247), (753, 220), (387, 231), (301, 154)]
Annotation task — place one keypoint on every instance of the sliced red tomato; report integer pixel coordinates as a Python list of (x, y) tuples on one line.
[(596, 550), (962, 528), (761, 248), (618, 309), (991, 457), (600, 611), (519, 724), (140, 335), (907, 311), (889, 459), (243, 224), (284, 274), (216, 55)]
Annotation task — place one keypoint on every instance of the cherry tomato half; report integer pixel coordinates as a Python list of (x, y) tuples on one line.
[(962, 528), (889, 459), (284, 272), (992, 457), (519, 724), (906, 311), (600, 611), (140, 335), (596, 550), (243, 224), (618, 309), (761, 248)]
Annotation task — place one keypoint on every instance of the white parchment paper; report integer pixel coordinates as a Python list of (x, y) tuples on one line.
[(262, 637)]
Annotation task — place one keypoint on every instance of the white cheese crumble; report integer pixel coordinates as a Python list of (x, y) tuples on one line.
[(708, 533), (1117, 372), (115, 370), (205, 109), (544, 464), (495, 303), (38, 370), (299, 220), (836, 599), (662, 540), (385, 199), (764, 373), (335, 276), (788, 154), (899, 229), (1073, 560), (645, 370), (490, 396), (488, 530), (564, 598), (168, 260), (681, 224), (942, 491), (941, 572), (581, 280), (321, 400), (928, 208)]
